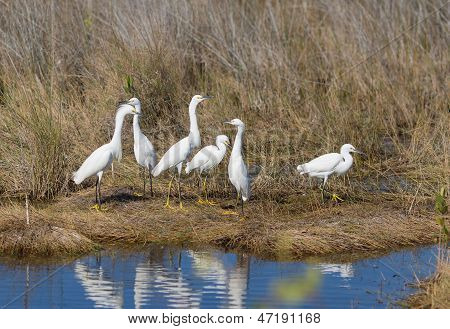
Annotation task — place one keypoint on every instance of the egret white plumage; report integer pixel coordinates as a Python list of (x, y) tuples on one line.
[(206, 159), (237, 170), (144, 151), (103, 157), (329, 164), (178, 153)]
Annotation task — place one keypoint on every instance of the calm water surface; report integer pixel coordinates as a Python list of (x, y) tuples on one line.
[(165, 277)]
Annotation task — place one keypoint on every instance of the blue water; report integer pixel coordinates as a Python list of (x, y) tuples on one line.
[(165, 277)]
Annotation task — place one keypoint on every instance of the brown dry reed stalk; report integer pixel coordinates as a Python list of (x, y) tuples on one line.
[(287, 69)]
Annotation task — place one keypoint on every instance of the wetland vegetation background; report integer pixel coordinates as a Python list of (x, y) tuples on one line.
[(305, 76)]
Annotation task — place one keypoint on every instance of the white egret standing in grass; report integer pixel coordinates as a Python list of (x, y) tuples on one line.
[(237, 170), (178, 153), (143, 151), (206, 159), (328, 164), (103, 157)]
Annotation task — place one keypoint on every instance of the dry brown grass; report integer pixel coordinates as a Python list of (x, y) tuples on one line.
[(288, 69), (291, 229), (40, 238)]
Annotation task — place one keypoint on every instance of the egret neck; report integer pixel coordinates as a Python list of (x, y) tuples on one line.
[(116, 141), (222, 148), (136, 127), (348, 162), (194, 133), (237, 146)]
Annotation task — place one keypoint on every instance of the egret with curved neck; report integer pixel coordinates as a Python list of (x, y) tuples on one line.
[(207, 159), (328, 164), (178, 153), (237, 170), (103, 157)]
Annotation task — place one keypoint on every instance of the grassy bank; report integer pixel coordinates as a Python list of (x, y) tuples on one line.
[(291, 228)]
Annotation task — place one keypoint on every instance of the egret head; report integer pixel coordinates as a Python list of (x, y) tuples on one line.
[(222, 139), (236, 122), (351, 149), (197, 99), (136, 104)]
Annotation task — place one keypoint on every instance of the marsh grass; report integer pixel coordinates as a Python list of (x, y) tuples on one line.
[(300, 74)]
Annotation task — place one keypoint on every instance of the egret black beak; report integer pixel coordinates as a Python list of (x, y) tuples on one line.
[(206, 97), (227, 144), (362, 153)]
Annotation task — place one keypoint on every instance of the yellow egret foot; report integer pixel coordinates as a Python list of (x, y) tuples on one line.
[(211, 203), (96, 207), (336, 198), (201, 201), (138, 194), (99, 208), (167, 205)]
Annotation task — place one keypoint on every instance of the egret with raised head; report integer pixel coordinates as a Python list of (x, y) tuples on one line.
[(237, 170), (179, 152)]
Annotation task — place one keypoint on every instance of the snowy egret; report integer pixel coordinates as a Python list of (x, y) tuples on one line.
[(328, 164), (206, 159), (178, 153), (143, 151), (237, 170), (103, 157)]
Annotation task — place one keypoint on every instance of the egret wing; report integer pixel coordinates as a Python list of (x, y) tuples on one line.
[(98, 161), (237, 171), (177, 153), (148, 151), (202, 157), (324, 163)]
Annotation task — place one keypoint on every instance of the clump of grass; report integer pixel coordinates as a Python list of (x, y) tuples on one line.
[(39, 238)]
